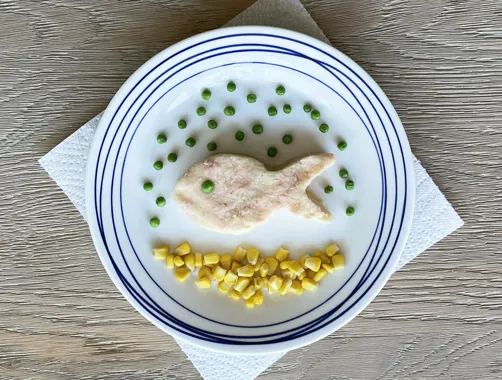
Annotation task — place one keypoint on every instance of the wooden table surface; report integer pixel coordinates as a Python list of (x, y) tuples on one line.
[(439, 61)]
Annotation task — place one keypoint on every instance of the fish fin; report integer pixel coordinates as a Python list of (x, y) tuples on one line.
[(307, 168), (307, 205)]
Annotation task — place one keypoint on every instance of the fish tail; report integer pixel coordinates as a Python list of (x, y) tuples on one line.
[(307, 168), (307, 205)]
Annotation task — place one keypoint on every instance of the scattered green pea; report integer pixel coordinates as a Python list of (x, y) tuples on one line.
[(162, 138), (154, 222), (160, 201), (229, 111), (190, 142), (287, 108), (349, 184), (206, 94), (212, 146), (272, 151), (148, 186), (344, 173), (257, 129), (158, 165), (207, 186), (231, 86), (251, 98), (307, 108), (201, 111), (287, 139), (172, 157), (280, 90), (272, 111), (324, 128), (212, 124), (350, 211), (315, 115), (328, 189), (182, 124), (342, 145), (239, 135)]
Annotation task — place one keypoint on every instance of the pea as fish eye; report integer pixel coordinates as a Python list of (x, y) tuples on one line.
[(207, 186)]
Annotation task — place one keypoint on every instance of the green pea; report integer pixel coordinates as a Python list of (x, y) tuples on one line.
[(182, 124), (324, 128), (257, 129), (280, 90), (272, 151), (287, 139), (154, 222), (307, 108), (272, 111), (201, 111), (350, 211), (160, 201), (148, 186), (251, 98), (344, 173), (212, 146), (212, 124), (231, 86), (229, 111), (161, 139), (190, 142), (328, 189), (158, 165), (239, 135), (349, 184), (315, 115), (207, 186), (206, 94), (342, 145), (287, 108), (172, 157)]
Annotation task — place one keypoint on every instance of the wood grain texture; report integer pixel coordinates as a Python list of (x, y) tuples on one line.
[(439, 61)]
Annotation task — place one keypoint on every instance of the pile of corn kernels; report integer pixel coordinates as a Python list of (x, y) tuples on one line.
[(245, 273)]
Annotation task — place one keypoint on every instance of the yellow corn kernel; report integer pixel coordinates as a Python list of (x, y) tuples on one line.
[(190, 261), (296, 268), (328, 268), (284, 264), (272, 265), (183, 249), (181, 274), (282, 254), (258, 282), (296, 287), (302, 261), (219, 273), (161, 252), (310, 273), (252, 255), (309, 284), (212, 266), (248, 292), (178, 261), (271, 290), (321, 273), (205, 272), (275, 282), (258, 297), (258, 264), (302, 275), (246, 271), (198, 260), (170, 261), (211, 258), (325, 259), (230, 278), (263, 269), (250, 303), (234, 294), (338, 261), (203, 283), (313, 263), (265, 281), (235, 266), (239, 254), (286, 284), (224, 287), (226, 261), (332, 249), (241, 284), (278, 271)]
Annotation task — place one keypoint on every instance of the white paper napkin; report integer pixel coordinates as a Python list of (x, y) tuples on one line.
[(434, 217)]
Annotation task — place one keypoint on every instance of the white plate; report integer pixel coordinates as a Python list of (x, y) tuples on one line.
[(257, 59)]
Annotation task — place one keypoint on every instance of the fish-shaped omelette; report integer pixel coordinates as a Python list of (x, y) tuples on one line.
[(245, 193)]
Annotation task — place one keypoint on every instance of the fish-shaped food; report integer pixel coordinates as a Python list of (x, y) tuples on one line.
[(233, 194)]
